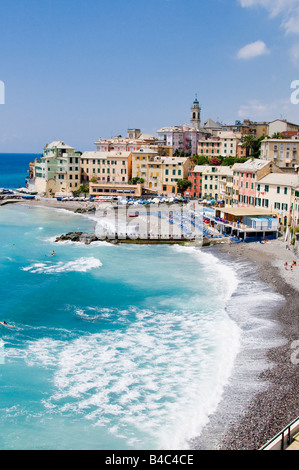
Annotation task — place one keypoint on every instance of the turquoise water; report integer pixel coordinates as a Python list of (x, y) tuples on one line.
[(117, 347), (114, 347)]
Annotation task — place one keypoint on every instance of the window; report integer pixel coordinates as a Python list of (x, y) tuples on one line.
[(278, 189), (286, 190)]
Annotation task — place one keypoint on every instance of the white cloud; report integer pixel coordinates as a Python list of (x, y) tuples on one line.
[(254, 49), (287, 9), (281, 108), (253, 108)]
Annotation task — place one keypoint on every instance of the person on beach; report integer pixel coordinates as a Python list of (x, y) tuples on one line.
[(286, 265), (53, 253)]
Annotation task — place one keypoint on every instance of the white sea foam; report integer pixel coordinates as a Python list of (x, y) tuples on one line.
[(215, 270), (79, 265), (135, 381)]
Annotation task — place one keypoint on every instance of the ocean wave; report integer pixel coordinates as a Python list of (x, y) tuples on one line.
[(216, 270), (79, 265), (135, 381)]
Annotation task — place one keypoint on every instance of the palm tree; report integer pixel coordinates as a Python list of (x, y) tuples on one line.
[(249, 143)]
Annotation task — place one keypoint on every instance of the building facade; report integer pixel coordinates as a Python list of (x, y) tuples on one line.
[(106, 167), (57, 172), (280, 125), (275, 192), (245, 178), (160, 174), (211, 182), (283, 152)]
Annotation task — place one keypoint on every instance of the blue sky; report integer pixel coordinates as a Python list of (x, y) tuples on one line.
[(77, 71)]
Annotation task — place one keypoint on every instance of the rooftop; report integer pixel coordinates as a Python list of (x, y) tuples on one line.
[(105, 155), (58, 144), (218, 170), (253, 164), (246, 211), (286, 179)]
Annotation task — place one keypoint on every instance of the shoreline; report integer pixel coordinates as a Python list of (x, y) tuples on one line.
[(277, 404)]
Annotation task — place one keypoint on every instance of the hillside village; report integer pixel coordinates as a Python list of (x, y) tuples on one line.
[(247, 164)]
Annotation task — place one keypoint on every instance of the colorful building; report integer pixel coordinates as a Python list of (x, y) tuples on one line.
[(134, 141), (195, 176), (106, 167), (160, 174), (173, 169), (57, 172), (275, 192), (212, 182), (283, 152), (245, 178)]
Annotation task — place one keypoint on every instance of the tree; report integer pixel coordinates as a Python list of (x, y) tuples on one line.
[(230, 161), (183, 184), (256, 151), (200, 160), (253, 145), (84, 188), (276, 135), (94, 179), (136, 180), (248, 143)]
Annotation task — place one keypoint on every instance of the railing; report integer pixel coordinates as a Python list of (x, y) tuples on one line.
[(284, 438)]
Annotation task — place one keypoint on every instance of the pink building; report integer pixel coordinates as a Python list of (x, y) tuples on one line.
[(246, 177)]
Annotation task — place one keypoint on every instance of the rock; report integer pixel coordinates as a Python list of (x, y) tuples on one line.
[(84, 210), (82, 237)]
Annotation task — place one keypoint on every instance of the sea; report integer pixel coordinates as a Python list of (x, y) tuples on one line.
[(121, 347)]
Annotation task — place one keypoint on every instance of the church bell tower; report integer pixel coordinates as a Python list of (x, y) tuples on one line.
[(195, 114)]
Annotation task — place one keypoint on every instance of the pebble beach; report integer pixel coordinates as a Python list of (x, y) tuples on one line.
[(278, 405)]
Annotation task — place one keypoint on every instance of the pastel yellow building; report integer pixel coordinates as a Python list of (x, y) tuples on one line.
[(160, 174), (106, 167), (147, 165), (173, 169), (283, 152), (217, 183)]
